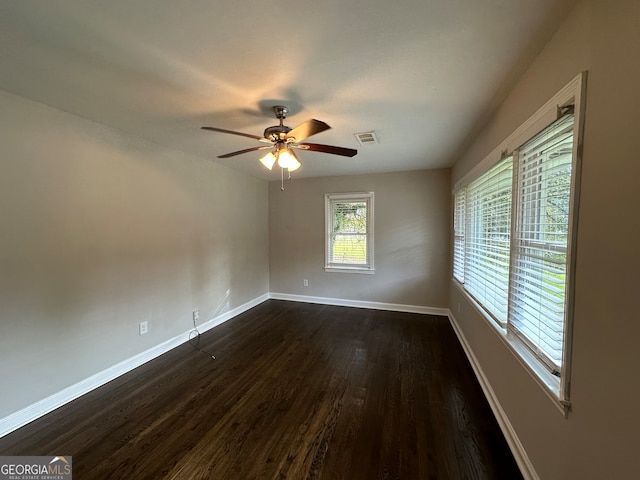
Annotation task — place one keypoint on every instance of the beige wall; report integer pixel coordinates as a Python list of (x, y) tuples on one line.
[(100, 231), (411, 238), (599, 439)]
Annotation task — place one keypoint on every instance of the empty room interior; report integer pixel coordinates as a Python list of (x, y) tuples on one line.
[(464, 202)]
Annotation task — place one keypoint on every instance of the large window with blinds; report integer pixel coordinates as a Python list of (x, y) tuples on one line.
[(487, 233), (349, 232), (512, 226), (541, 238)]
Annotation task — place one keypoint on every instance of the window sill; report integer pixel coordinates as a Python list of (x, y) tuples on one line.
[(366, 271), (548, 382)]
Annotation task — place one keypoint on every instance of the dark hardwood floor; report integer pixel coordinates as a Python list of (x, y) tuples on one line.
[(298, 391)]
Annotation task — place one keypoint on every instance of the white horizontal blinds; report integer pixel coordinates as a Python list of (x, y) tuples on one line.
[(537, 312), (348, 233), (487, 237), (458, 233)]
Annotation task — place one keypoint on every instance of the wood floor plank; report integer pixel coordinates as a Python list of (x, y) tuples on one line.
[(298, 391)]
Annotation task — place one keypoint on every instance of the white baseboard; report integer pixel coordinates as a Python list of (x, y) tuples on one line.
[(517, 449), (20, 418), (394, 307)]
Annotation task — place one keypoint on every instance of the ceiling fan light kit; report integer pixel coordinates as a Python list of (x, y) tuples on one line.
[(282, 139)]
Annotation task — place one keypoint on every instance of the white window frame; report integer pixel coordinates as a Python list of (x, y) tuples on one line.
[(555, 383), (332, 199)]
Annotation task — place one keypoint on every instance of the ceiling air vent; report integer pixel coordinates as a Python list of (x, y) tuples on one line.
[(367, 138)]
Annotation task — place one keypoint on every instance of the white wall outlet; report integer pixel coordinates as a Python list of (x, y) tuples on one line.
[(196, 316), (144, 327), (305, 282)]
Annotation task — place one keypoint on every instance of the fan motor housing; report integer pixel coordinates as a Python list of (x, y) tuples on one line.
[(276, 133)]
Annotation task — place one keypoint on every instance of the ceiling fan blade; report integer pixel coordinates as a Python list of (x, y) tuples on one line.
[(306, 129), (246, 150), (332, 149), (222, 130)]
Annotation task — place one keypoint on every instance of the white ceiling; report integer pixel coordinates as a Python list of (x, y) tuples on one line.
[(422, 73)]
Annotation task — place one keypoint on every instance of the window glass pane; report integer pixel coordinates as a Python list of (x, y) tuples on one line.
[(350, 249), (349, 233)]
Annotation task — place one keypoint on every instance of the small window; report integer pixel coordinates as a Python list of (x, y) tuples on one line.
[(349, 232)]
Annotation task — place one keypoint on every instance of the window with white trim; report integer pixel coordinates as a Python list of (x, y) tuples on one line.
[(349, 232), (487, 237), (541, 237), (513, 223), (458, 234)]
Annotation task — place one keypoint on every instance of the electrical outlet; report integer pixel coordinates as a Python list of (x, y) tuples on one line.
[(144, 327), (196, 316), (305, 282)]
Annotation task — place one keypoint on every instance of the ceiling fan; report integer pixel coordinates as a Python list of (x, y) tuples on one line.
[(282, 140)]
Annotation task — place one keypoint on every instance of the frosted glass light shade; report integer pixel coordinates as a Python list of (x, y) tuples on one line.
[(268, 160), (287, 159), (294, 165)]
